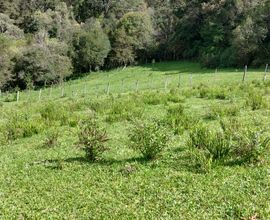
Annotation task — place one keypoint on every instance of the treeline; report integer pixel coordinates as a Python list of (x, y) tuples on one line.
[(46, 41)]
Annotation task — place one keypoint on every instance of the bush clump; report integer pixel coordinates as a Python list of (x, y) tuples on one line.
[(212, 141), (51, 139), (21, 125), (92, 139), (149, 138), (233, 142), (178, 120), (124, 110), (219, 111), (53, 112), (256, 101)]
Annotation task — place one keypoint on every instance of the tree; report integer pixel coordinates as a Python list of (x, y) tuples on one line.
[(58, 23), (41, 63), (8, 28), (6, 55), (91, 47), (133, 34)]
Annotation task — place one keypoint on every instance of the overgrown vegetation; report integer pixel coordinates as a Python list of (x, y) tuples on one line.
[(185, 145), (92, 139), (45, 42), (149, 138)]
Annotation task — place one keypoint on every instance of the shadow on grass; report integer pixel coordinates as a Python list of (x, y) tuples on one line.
[(58, 163), (107, 162)]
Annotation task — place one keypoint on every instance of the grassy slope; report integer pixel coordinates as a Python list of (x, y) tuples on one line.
[(40, 183), (148, 77)]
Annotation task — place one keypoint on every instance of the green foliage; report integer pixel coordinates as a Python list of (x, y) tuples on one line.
[(134, 33), (92, 139), (6, 64), (219, 111), (252, 146), (8, 27), (212, 142), (91, 47), (42, 63), (52, 113), (179, 120), (250, 143), (21, 125), (124, 110), (149, 138), (51, 139), (205, 91), (202, 160), (154, 98), (256, 100)]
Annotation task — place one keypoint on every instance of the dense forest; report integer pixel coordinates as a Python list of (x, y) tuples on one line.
[(47, 41)]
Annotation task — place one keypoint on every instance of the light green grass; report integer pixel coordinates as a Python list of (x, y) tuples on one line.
[(58, 183), (146, 77)]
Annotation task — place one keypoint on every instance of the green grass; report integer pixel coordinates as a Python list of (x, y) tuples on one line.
[(148, 77), (57, 182)]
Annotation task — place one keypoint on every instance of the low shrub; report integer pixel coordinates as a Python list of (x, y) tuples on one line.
[(202, 160), (221, 93), (21, 125), (210, 141), (149, 138), (92, 139), (203, 91), (251, 146), (256, 100), (218, 111), (250, 143), (54, 112), (175, 96), (154, 98), (178, 120), (51, 139), (124, 110), (10, 98)]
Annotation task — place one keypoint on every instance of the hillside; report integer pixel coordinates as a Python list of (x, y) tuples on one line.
[(148, 77), (198, 149)]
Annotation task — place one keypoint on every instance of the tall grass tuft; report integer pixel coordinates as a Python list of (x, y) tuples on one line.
[(149, 138)]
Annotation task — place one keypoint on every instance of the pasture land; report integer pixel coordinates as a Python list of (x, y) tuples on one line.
[(166, 146)]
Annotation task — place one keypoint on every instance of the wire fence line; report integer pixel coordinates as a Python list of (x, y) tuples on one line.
[(163, 82)]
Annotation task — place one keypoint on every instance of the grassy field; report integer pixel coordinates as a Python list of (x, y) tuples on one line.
[(158, 76), (214, 164)]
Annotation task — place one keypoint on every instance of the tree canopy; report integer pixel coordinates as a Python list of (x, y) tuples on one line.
[(46, 41)]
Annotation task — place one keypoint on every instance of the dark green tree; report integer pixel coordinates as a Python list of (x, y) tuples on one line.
[(91, 47)]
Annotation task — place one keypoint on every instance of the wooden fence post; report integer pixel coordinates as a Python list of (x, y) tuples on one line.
[(137, 85), (97, 88), (39, 95), (18, 96), (50, 95), (108, 88), (28, 94), (190, 80), (179, 80), (245, 73), (62, 92), (122, 86), (265, 73), (166, 84), (84, 89)]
